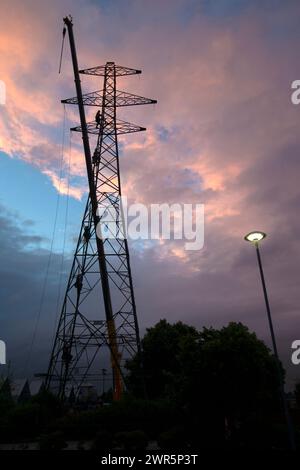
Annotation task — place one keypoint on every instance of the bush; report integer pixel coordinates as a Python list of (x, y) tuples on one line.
[(103, 441), (23, 421), (54, 441), (173, 438), (124, 416), (133, 440)]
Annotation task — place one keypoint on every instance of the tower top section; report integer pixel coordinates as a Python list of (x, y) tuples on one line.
[(119, 70)]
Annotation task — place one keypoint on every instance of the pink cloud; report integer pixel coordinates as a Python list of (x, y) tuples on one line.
[(217, 99)]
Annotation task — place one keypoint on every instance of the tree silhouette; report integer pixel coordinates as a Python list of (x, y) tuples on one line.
[(222, 379)]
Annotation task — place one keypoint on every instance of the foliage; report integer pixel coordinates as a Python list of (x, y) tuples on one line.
[(219, 378), (173, 439), (27, 420), (205, 389), (297, 394), (103, 441), (161, 347), (132, 440), (127, 415), (54, 441)]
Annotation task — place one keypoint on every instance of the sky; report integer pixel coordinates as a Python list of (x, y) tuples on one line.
[(223, 133)]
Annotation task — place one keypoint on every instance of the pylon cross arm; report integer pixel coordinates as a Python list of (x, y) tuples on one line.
[(122, 99), (119, 70)]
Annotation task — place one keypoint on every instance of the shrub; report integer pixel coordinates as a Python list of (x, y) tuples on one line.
[(103, 441), (53, 441), (133, 440), (173, 438)]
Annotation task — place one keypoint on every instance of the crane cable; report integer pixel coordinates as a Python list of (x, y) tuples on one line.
[(64, 239), (45, 282), (62, 48)]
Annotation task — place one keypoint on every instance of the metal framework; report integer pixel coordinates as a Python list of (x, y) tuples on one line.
[(98, 318)]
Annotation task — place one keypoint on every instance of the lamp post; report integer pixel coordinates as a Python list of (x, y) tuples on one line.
[(254, 238)]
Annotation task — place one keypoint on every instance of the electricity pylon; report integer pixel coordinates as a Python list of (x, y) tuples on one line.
[(98, 311)]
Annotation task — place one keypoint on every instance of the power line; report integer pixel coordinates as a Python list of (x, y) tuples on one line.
[(57, 309), (45, 282)]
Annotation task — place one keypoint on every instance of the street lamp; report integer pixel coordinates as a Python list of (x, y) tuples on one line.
[(255, 237)]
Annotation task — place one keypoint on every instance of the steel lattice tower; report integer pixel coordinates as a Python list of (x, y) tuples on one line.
[(98, 311)]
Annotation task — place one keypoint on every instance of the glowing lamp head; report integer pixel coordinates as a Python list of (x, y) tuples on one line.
[(255, 237)]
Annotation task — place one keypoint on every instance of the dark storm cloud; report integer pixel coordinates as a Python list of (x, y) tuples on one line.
[(22, 273)]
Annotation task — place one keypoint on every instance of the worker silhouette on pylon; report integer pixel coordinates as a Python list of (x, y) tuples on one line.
[(98, 118)]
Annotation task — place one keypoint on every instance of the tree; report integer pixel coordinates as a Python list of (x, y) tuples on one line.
[(297, 394), (235, 375), (223, 378), (162, 346)]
